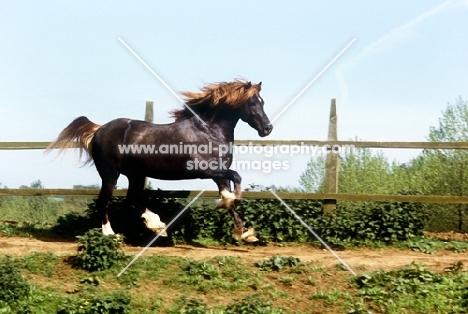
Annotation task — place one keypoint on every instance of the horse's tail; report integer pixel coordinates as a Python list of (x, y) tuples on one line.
[(81, 130)]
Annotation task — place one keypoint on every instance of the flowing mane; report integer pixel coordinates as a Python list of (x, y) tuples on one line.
[(226, 94)]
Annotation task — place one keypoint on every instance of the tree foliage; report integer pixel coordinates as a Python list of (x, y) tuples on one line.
[(446, 170), (361, 171), (433, 172)]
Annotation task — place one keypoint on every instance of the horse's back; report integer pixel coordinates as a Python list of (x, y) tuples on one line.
[(118, 144)]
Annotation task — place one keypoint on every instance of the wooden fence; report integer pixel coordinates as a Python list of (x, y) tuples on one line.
[(330, 196)]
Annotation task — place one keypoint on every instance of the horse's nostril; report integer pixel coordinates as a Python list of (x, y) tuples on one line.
[(268, 129)]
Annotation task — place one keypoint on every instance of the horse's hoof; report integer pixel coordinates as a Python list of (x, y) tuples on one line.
[(251, 239), (248, 236), (160, 231)]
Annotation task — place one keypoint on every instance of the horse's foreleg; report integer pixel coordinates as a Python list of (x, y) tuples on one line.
[(134, 196), (240, 232), (236, 179), (223, 180), (228, 200), (237, 193), (227, 197), (136, 185)]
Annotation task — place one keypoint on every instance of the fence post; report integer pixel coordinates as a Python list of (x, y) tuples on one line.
[(149, 112), (148, 118), (332, 163)]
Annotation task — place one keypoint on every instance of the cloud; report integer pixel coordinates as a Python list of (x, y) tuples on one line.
[(406, 31), (398, 35)]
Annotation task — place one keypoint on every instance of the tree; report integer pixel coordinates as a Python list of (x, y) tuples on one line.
[(361, 171), (312, 179), (91, 186), (434, 172), (446, 170)]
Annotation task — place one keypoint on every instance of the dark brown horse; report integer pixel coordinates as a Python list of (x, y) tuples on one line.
[(195, 146)]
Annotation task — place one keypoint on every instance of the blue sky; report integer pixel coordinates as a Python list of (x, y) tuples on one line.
[(60, 60)]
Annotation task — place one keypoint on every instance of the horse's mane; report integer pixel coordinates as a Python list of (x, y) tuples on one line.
[(226, 94)]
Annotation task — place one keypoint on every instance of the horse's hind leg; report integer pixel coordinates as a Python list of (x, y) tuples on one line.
[(103, 204), (136, 185), (109, 174)]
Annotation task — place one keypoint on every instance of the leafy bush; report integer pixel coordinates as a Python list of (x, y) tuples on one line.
[(273, 222), (71, 224), (97, 251), (374, 221), (115, 303), (385, 222), (13, 287)]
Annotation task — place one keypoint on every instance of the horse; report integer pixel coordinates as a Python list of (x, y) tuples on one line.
[(197, 145)]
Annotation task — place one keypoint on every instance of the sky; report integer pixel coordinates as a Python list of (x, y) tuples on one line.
[(405, 61)]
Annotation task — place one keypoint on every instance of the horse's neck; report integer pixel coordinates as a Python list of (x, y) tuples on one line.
[(221, 130)]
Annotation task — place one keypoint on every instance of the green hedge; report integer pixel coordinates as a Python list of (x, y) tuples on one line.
[(384, 222)]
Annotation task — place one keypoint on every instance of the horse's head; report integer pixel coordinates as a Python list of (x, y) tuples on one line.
[(252, 112)]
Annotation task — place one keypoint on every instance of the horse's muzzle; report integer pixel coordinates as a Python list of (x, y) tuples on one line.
[(266, 130)]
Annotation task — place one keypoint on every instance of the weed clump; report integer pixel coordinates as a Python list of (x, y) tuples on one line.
[(98, 252), (252, 305), (13, 287), (275, 263), (115, 303)]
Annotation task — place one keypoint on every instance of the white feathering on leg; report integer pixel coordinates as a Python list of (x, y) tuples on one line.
[(107, 229), (227, 194), (154, 223)]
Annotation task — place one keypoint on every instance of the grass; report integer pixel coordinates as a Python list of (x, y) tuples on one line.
[(229, 285), (42, 209), (221, 285)]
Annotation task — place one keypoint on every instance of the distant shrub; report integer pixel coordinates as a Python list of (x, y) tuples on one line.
[(71, 225)]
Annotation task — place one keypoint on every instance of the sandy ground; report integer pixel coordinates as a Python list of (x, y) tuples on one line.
[(359, 259)]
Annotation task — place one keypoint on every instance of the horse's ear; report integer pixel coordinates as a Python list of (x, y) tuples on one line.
[(248, 85), (260, 84)]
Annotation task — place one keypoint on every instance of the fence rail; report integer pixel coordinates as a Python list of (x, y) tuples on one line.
[(357, 144), (330, 196), (247, 194)]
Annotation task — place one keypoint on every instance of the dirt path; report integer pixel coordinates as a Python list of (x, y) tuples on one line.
[(360, 259)]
